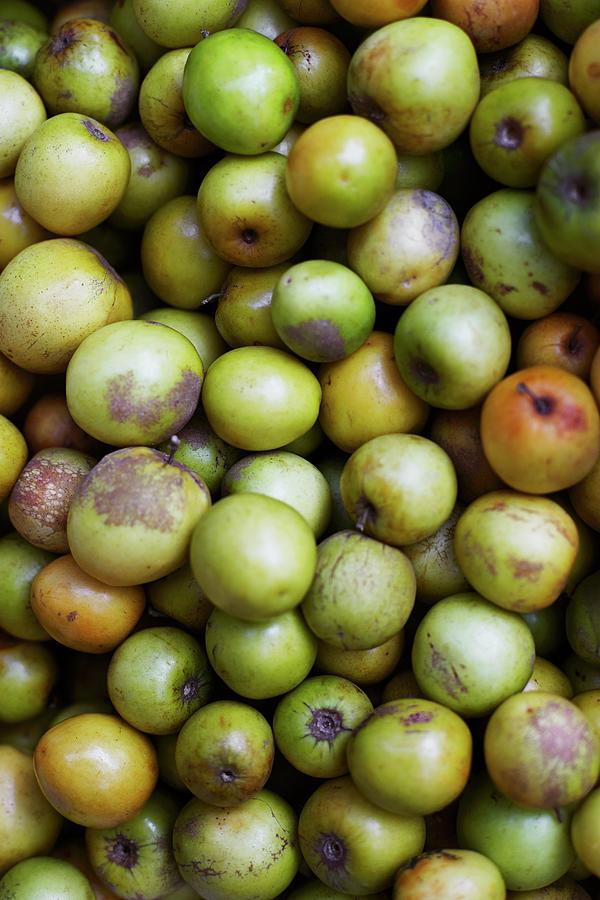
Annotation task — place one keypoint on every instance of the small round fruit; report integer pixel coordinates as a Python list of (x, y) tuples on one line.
[(224, 753), (341, 171), (110, 774), (260, 398), (45, 878), (253, 556), (452, 874), (585, 832), (584, 67), (20, 562), (21, 112), (322, 310), (239, 853), (13, 455)]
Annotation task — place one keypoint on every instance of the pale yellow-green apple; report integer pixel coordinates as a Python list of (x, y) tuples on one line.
[(178, 262), (287, 477), (72, 173), (410, 246), (246, 212), (162, 111), (470, 654), (13, 455), (254, 556), (260, 398), (516, 550), (22, 111), (53, 294), (134, 382), (132, 519), (419, 79), (506, 256), (452, 345), (341, 171), (399, 488), (349, 565), (239, 90), (185, 22)]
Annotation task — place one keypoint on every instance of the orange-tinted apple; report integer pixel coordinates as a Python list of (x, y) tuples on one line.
[(561, 339), (540, 429)]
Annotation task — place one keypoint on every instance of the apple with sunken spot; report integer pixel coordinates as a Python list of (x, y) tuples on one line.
[(562, 339), (240, 90), (540, 429), (134, 383)]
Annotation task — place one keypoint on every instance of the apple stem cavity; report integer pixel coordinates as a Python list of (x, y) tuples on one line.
[(574, 344), (542, 405), (577, 190), (249, 236)]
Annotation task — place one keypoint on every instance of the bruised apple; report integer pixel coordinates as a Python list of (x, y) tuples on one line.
[(540, 429)]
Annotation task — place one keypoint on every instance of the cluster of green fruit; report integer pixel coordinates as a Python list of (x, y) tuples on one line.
[(299, 449)]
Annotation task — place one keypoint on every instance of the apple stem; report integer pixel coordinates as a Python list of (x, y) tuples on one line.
[(212, 298), (174, 443), (542, 405), (365, 512), (573, 346)]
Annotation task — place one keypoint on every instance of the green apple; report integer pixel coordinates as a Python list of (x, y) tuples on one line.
[(45, 878), (452, 345), (531, 847), (418, 79), (182, 23), (28, 674), (568, 20), (224, 752), (178, 262), (19, 43), (246, 213), (341, 171), (314, 722), (287, 477), (137, 857), (351, 566), (519, 125), (134, 383), (253, 556), (265, 16), (322, 310), (125, 22), (240, 90), (24, 11), (507, 256), (533, 57), (243, 313), (435, 564), (133, 518), (260, 398), (515, 549), (411, 756), (566, 205), (410, 246), (21, 112), (399, 488), (197, 327), (321, 63), (584, 831), (454, 873), (178, 596), (240, 853), (581, 623), (19, 564), (262, 659), (203, 451), (470, 655), (86, 68)]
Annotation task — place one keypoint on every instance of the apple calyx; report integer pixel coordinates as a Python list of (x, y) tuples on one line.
[(332, 851), (509, 134), (326, 724), (122, 851), (543, 406)]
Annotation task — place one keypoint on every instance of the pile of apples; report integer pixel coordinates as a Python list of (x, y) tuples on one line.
[(299, 449)]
